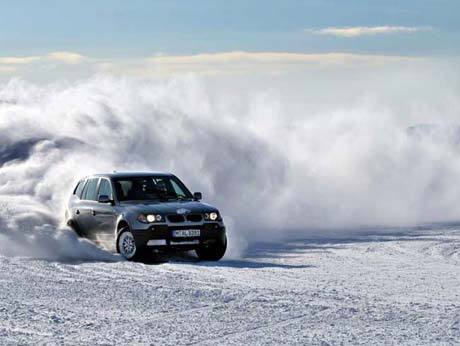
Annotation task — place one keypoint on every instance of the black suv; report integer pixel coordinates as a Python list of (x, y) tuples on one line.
[(137, 213)]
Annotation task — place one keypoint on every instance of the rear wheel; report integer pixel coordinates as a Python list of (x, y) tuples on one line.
[(126, 246), (212, 252)]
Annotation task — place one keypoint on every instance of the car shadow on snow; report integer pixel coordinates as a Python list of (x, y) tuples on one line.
[(253, 259), (190, 258), (245, 264)]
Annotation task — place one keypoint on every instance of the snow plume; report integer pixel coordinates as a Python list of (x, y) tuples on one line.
[(30, 229), (296, 155)]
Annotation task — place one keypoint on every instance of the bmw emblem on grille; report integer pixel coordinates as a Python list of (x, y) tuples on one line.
[(183, 211)]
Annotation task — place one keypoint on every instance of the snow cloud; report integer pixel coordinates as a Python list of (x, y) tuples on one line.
[(367, 30)]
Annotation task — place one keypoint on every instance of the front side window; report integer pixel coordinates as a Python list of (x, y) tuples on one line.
[(177, 189), (151, 188), (90, 189), (105, 189)]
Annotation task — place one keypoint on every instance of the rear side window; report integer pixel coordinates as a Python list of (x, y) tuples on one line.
[(90, 189), (79, 188), (105, 189)]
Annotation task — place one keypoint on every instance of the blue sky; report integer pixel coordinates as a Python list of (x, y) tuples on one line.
[(49, 39), (141, 27)]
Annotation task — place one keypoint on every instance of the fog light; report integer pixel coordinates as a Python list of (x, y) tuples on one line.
[(156, 242)]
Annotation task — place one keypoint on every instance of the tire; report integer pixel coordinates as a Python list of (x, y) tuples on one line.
[(212, 252), (126, 245)]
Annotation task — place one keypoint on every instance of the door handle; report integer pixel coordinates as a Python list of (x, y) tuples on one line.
[(77, 211), (93, 212)]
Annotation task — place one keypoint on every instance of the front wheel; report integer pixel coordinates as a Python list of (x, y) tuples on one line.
[(212, 252), (126, 246)]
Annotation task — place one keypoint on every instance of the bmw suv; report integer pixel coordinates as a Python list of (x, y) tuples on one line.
[(138, 213)]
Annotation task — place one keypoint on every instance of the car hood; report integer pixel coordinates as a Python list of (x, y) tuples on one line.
[(149, 207)]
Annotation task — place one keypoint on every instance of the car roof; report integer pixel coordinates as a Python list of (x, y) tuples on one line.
[(130, 174)]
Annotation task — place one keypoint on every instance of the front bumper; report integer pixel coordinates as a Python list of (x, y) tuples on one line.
[(160, 236)]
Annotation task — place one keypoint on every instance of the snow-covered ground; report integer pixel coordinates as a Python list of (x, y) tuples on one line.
[(398, 289)]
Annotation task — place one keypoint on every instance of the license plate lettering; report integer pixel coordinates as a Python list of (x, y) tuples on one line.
[(186, 233)]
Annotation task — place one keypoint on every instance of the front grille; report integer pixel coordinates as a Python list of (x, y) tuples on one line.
[(176, 218), (173, 218), (194, 217)]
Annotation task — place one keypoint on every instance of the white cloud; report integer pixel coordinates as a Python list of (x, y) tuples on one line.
[(247, 62), (7, 69), (64, 64), (66, 57), (12, 64), (18, 60), (367, 30)]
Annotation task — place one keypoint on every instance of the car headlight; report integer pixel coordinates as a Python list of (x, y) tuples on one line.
[(149, 218), (211, 216)]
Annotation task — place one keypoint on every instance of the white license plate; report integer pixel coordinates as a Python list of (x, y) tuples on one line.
[(186, 233)]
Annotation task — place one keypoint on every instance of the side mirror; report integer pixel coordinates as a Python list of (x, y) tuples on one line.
[(104, 199), (197, 196)]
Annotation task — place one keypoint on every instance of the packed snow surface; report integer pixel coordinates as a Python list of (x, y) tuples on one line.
[(382, 289)]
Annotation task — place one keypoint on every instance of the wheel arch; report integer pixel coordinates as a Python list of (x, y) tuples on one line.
[(73, 224)]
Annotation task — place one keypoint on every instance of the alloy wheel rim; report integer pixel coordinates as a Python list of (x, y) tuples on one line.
[(127, 245)]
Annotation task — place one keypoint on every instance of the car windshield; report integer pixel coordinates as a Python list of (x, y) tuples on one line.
[(150, 188)]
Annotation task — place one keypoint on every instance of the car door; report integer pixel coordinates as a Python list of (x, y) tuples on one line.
[(86, 208), (104, 213), (75, 205)]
